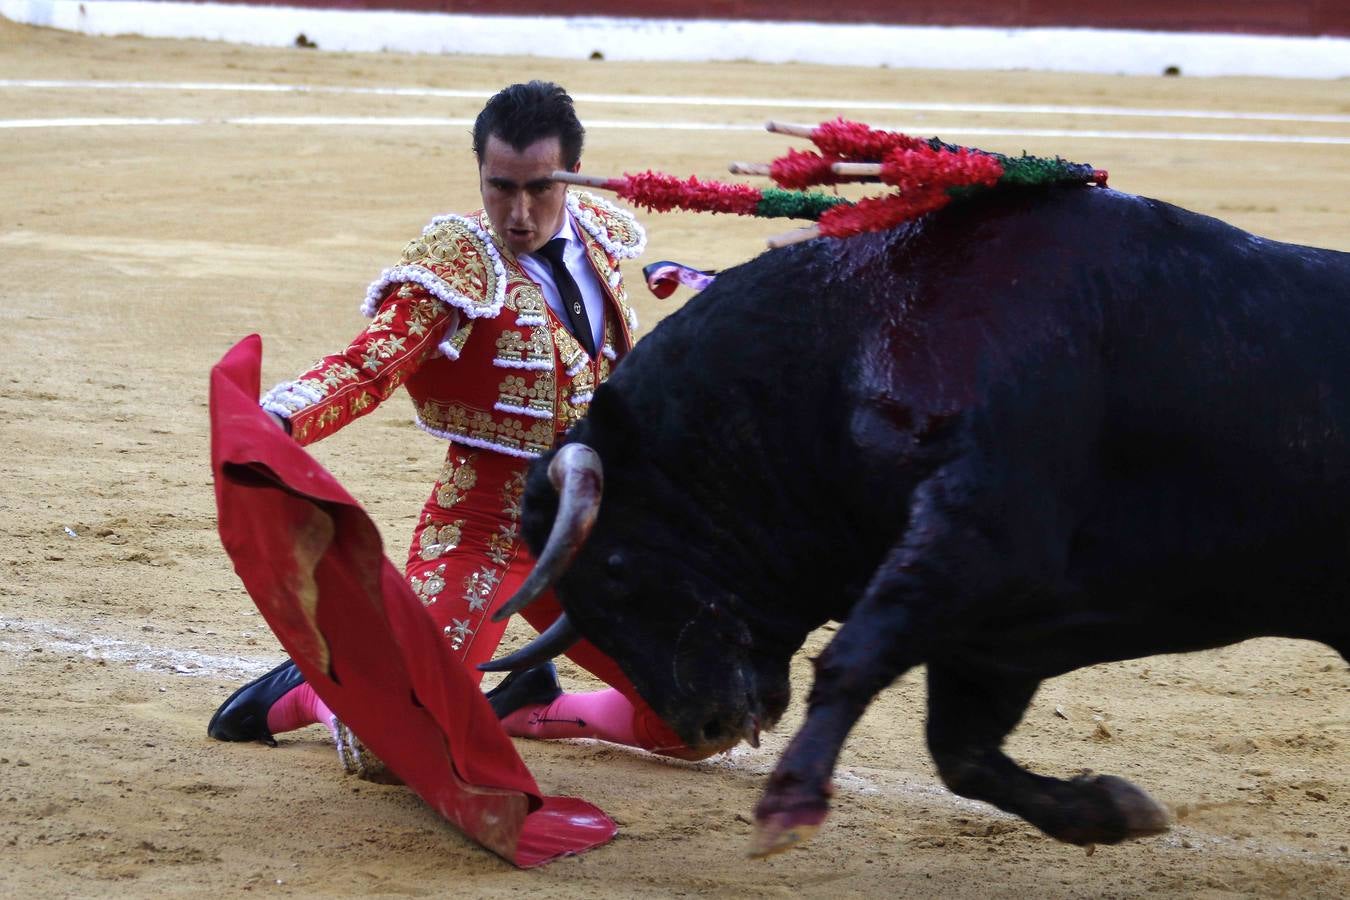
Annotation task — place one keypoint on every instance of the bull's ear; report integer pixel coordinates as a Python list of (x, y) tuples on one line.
[(613, 426)]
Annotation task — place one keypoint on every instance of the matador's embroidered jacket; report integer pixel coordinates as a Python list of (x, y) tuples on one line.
[(510, 378)]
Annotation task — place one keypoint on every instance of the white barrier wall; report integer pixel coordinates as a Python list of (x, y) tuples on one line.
[(1047, 49)]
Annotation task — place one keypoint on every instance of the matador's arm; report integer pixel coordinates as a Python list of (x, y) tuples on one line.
[(340, 388)]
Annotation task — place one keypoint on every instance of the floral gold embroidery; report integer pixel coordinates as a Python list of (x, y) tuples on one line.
[(458, 631), (438, 540), (387, 347), (384, 319), (512, 492), (428, 588), (371, 360), (479, 586), (456, 256), (457, 478), (421, 314), (500, 544), (337, 373)]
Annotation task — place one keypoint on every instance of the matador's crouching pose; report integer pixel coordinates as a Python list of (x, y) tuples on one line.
[(499, 324)]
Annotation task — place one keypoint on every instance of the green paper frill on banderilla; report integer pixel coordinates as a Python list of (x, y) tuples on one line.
[(777, 203)]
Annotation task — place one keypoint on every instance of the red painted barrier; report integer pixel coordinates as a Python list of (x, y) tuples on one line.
[(1292, 17)]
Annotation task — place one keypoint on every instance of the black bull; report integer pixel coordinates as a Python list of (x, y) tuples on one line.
[(1023, 435)]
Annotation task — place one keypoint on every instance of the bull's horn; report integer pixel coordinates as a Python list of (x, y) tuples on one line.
[(579, 479), (556, 640)]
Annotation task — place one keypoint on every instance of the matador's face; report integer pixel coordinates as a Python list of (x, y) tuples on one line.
[(523, 202)]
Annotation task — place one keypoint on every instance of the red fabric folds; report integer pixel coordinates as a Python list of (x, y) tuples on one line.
[(314, 564)]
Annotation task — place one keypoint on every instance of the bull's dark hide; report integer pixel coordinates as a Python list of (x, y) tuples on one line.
[(1026, 434)]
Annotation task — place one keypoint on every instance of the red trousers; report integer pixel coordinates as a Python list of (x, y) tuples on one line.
[(467, 559)]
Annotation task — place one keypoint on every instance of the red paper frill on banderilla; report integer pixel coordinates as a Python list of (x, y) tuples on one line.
[(314, 564)]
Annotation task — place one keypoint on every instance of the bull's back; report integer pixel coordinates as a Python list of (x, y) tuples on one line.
[(1161, 396), (1170, 326)]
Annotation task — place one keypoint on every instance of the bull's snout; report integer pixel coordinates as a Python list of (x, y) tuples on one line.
[(722, 716), (717, 730)]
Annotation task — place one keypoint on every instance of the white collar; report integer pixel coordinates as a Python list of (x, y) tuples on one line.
[(567, 231)]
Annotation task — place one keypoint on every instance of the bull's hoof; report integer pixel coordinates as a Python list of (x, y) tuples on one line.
[(1119, 811), (781, 831), (1144, 816)]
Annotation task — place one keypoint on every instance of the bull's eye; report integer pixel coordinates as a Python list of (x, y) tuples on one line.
[(615, 565)]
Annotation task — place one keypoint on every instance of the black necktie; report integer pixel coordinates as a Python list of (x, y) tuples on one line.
[(570, 293)]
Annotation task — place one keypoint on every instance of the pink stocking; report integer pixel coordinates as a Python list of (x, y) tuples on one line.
[(605, 715), (299, 707)]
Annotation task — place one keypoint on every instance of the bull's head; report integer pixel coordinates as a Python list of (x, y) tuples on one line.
[(636, 579)]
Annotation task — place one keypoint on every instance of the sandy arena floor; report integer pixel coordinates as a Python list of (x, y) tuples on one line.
[(132, 257)]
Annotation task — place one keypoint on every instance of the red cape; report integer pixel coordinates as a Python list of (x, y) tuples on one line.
[(314, 564)]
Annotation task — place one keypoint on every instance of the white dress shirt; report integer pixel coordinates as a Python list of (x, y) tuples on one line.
[(574, 257)]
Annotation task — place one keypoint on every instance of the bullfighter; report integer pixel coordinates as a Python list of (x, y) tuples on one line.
[(500, 325)]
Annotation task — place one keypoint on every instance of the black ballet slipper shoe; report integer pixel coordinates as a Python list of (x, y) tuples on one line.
[(531, 687), (243, 717)]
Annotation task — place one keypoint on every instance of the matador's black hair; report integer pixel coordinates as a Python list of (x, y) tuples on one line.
[(524, 113)]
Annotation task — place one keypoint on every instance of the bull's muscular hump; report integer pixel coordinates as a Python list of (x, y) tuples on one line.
[(1025, 434)]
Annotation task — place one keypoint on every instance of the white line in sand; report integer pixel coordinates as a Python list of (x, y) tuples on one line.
[(20, 636), (693, 100), (603, 124)]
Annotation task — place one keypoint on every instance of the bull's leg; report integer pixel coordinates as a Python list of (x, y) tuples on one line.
[(968, 718), (872, 649)]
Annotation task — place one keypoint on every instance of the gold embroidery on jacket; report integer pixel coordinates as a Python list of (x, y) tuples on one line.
[(461, 337), (534, 436), (583, 384), (619, 227), (328, 417), (570, 353), (458, 258), (605, 365), (317, 385), (603, 266), (528, 346), (384, 319), (421, 314), (528, 392), (334, 375), (527, 300)]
